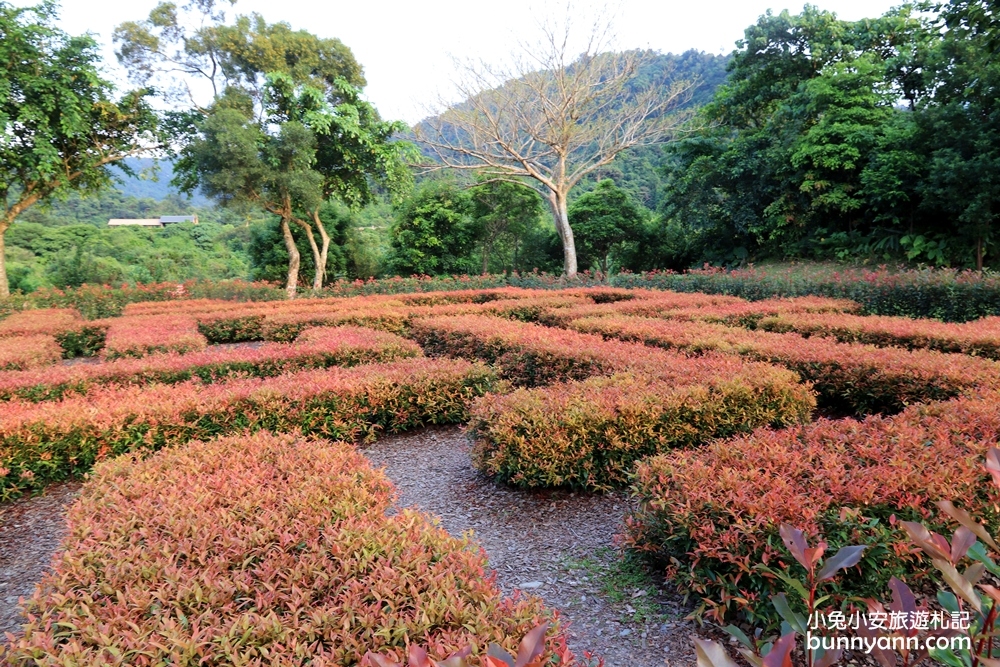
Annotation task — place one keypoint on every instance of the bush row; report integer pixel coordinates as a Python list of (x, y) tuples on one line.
[(857, 379), (316, 348), (139, 336), (44, 442), (49, 321), (953, 296), (978, 338), (259, 549), (703, 307), (588, 434), (527, 354), (712, 514), (30, 351), (943, 294)]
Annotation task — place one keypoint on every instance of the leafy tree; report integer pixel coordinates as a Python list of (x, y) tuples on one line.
[(289, 105), (962, 120), (434, 233), (504, 212), (165, 50), (605, 220), (62, 128)]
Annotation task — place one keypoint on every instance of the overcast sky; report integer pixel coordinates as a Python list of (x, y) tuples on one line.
[(408, 49)]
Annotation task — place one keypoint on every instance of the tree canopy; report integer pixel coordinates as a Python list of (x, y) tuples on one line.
[(62, 127)]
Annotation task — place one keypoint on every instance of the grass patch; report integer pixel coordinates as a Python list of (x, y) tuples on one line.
[(625, 580)]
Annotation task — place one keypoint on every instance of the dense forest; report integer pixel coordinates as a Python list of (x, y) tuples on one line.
[(817, 138)]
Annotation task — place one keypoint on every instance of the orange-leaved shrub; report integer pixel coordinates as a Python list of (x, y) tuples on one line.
[(746, 313), (43, 442), (711, 514), (533, 355), (858, 379), (28, 351), (527, 354), (316, 348), (978, 337), (49, 321), (139, 336), (588, 434), (254, 550)]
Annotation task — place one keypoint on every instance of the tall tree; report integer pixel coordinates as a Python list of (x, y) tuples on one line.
[(962, 120), (289, 84), (193, 54), (606, 219), (503, 213), (62, 129), (433, 233), (554, 117)]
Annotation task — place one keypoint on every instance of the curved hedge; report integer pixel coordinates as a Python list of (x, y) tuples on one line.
[(259, 549), (43, 442)]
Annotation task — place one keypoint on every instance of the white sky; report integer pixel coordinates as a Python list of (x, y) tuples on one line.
[(407, 48)]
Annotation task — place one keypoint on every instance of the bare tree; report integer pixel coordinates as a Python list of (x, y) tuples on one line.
[(552, 117)]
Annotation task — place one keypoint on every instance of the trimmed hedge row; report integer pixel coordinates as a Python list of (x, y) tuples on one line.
[(260, 549), (49, 321), (29, 351), (979, 338), (859, 379), (316, 348), (527, 354), (703, 307), (139, 336), (710, 515), (946, 294), (44, 442), (589, 434)]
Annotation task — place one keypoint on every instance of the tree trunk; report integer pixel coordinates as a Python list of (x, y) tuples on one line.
[(979, 254), (325, 250), (560, 215), (318, 273), (4, 286), (486, 258), (293, 259)]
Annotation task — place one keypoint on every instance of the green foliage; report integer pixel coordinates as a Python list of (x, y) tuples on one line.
[(604, 222), (61, 127), (434, 232), (838, 139)]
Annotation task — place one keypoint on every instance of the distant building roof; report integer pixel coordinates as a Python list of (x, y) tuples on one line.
[(152, 222), (140, 222)]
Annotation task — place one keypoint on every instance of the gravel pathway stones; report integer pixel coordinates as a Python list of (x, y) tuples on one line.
[(554, 544), (30, 531)]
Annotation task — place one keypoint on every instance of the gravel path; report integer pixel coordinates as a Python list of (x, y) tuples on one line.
[(554, 544), (30, 532)]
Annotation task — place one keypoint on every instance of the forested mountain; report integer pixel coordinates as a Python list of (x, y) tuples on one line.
[(152, 181)]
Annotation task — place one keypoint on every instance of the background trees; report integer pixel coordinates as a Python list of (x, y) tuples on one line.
[(286, 129), (61, 127), (606, 220), (874, 139), (557, 114)]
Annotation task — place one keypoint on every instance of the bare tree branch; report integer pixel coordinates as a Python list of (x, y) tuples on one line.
[(552, 117)]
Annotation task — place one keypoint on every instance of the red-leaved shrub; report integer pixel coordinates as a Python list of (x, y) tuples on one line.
[(139, 336), (43, 442), (253, 550), (978, 337), (316, 348), (856, 378), (28, 351), (711, 514), (39, 321)]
